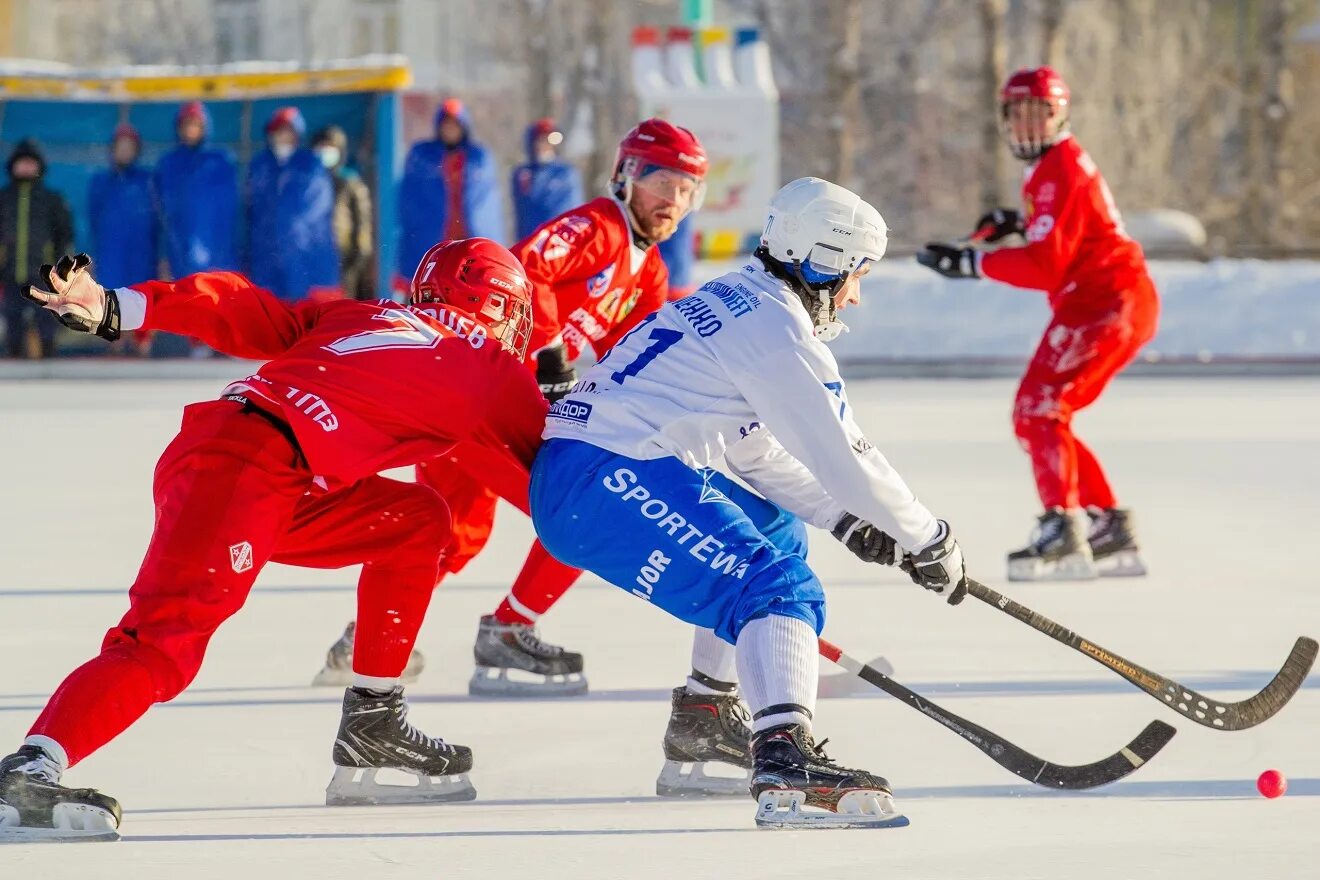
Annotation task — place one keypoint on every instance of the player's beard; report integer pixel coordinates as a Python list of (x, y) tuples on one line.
[(657, 229)]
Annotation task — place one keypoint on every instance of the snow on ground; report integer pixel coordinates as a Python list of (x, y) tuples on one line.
[(228, 781)]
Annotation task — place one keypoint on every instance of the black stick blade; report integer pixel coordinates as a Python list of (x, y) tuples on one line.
[(1253, 710), (1127, 759)]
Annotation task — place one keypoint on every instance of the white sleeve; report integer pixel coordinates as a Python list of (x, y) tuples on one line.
[(132, 308), (817, 428), (763, 462)]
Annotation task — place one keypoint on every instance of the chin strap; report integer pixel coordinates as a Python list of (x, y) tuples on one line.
[(818, 301)]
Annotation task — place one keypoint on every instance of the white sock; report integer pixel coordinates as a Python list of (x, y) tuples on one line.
[(375, 683), (778, 666), (713, 664), (52, 748)]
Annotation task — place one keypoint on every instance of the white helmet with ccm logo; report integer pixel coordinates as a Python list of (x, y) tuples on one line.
[(818, 233)]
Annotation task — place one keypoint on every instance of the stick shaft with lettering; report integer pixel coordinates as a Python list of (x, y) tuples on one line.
[(1215, 714), (1011, 757)]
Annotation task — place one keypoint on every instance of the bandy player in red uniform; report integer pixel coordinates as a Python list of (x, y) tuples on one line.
[(284, 467), (1105, 309), (595, 273)]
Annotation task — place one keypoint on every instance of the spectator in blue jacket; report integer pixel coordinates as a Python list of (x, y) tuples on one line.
[(291, 206), (197, 192), (449, 189), (679, 252), (122, 215), (544, 186)]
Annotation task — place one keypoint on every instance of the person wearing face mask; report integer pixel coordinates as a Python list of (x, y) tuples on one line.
[(35, 228), (450, 189), (196, 187), (544, 186), (352, 213), (291, 200)]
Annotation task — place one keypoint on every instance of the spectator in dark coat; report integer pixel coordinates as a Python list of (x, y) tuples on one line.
[(35, 228), (352, 219), (197, 192), (450, 189), (291, 204), (544, 186)]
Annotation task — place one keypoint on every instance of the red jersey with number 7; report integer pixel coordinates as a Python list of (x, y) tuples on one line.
[(591, 282), (364, 386), (1076, 248)]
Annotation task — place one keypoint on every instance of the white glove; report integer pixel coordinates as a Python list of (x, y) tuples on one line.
[(76, 299)]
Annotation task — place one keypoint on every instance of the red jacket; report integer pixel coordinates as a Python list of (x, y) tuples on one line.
[(591, 283), (1076, 248), (365, 386)]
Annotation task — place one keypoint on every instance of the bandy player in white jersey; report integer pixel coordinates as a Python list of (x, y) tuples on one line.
[(739, 369)]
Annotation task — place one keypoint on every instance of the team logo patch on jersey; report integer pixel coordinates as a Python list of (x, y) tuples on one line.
[(598, 284), (570, 411), (240, 557)]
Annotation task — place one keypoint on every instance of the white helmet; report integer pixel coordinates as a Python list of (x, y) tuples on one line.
[(817, 234)]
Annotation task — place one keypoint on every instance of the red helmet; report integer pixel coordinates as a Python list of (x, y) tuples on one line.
[(481, 279), (655, 142), (1042, 99)]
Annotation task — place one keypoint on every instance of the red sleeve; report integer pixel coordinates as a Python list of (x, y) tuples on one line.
[(654, 282), (572, 247), (227, 312), (1055, 219)]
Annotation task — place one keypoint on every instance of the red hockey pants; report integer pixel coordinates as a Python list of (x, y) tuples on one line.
[(231, 494), (1077, 357)]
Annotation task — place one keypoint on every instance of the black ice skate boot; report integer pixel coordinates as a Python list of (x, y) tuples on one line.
[(1113, 540), (338, 669), (1058, 550), (705, 730), (374, 734), (34, 806), (544, 670), (790, 772)]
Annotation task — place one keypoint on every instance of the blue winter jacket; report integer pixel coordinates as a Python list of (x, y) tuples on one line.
[(542, 190), (122, 216), (291, 224), (197, 191), (679, 253), (424, 199)]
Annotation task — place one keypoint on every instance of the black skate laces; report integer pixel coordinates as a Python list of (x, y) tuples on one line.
[(526, 637)]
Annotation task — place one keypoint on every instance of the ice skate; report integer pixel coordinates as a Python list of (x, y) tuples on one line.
[(706, 731), (792, 775), (1113, 540), (1058, 551), (34, 807), (338, 669), (513, 662), (374, 735)]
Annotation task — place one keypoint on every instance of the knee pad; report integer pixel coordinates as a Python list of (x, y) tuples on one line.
[(788, 588)]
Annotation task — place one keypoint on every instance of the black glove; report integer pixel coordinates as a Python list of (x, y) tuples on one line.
[(949, 260), (1001, 223), (554, 373), (867, 543), (939, 566)]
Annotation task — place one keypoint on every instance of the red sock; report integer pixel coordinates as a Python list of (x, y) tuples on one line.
[(539, 585), (97, 702)]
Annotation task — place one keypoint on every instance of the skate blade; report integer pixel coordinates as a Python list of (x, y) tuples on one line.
[(491, 681), (1073, 567), (786, 808), (690, 780), (357, 787), (1124, 563), (73, 823)]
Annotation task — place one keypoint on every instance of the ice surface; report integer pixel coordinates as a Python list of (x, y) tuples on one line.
[(228, 781)]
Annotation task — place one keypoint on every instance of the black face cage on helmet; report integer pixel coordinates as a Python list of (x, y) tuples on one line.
[(817, 298)]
